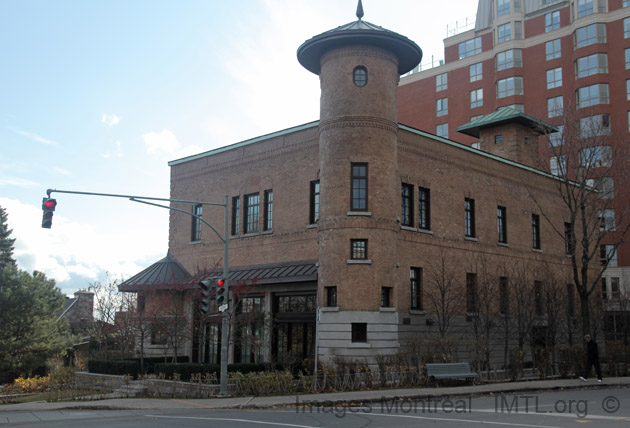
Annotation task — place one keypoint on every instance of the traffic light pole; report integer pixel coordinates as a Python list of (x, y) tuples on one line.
[(225, 322)]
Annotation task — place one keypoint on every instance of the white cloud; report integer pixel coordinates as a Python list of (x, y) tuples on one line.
[(61, 171), (110, 119), (75, 254), (18, 182), (164, 142), (35, 137)]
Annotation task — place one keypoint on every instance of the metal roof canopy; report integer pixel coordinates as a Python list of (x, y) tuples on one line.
[(505, 115)]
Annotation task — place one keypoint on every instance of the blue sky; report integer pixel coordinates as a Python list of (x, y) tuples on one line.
[(98, 96)]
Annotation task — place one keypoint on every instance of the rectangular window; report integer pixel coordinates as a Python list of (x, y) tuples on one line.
[(557, 138), (518, 30), (510, 86), (554, 78), (502, 224), (626, 28), (441, 107), (236, 211), (503, 7), (592, 64), (424, 208), (591, 34), (498, 139), (252, 212), (538, 298), (626, 3), (406, 214), (470, 47), (628, 90), (504, 302), (386, 297), (415, 275), (476, 72), (504, 33), (359, 332), (552, 21), (509, 59), (607, 220), (627, 51), (268, 220), (359, 183), (614, 288), (517, 6), (442, 130), (593, 95), (608, 255), (195, 232), (558, 165), (593, 126), (585, 7), (604, 291), (569, 246), (471, 293), (536, 231), (476, 98), (469, 218), (358, 249), (596, 157), (441, 82), (555, 106), (604, 185), (553, 49), (331, 296), (313, 216)]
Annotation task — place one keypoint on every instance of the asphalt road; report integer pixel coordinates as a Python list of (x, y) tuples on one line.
[(597, 408)]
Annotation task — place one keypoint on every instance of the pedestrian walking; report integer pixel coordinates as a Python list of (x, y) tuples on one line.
[(592, 359)]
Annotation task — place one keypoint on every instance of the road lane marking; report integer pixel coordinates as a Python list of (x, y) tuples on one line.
[(235, 420)]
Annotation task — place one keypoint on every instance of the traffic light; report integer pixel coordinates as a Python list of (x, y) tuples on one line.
[(48, 207), (220, 291), (206, 290)]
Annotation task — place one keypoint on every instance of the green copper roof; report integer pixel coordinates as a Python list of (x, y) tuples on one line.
[(505, 115)]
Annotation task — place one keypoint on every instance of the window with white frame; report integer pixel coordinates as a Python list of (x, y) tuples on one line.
[(591, 34), (558, 165), (596, 157), (509, 86), (441, 82), (518, 30), (626, 3), (441, 107), (509, 59), (593, 126), (626, 28), (557, 138), (593, 95), (504, 32), (608, 254), (627, 51), (517, 107), (554, 78), (442, 130), (469, 48), (553, 49), (476, 72), (587, 7), (476, 98), (503, 7), (555, 106), (592, 64), (552, 21)]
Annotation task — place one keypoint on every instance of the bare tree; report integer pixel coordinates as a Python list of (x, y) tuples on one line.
[(592, 169)]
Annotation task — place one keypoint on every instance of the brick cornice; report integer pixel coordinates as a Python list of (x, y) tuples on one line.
[(359, 122), (362, 51)]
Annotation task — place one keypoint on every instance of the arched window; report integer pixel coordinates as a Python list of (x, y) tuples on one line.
[(360, 76)]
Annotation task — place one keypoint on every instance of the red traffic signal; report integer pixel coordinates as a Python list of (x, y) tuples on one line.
[(220, 290), (48, 207)]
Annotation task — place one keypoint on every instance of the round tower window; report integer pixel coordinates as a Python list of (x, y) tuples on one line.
[(360, 76)]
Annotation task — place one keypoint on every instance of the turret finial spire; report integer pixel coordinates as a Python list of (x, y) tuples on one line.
[(360, 10)]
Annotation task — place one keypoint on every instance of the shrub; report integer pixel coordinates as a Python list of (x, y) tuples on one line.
[(115, 367), (570, 360)]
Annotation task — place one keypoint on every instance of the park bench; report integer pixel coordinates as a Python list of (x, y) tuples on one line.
[(450, 371)]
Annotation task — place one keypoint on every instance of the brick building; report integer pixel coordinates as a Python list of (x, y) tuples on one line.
[(567, 62), (370, 221)]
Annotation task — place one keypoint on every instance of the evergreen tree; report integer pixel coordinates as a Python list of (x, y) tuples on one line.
[(6, 243)]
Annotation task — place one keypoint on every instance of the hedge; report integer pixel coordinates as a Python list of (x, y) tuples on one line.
[(115, 367), (186, 370)]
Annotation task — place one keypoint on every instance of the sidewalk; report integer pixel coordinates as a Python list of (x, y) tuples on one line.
[(337, 397)]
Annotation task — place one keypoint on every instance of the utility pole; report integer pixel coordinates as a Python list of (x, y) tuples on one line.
[(48, 207)]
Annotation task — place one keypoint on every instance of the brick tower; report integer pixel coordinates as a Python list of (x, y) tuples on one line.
[(359, 65)]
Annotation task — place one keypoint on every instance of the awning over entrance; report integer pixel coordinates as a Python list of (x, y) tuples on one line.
[(275, 273)]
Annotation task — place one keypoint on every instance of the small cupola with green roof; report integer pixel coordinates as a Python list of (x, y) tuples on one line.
[(510, 134)]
